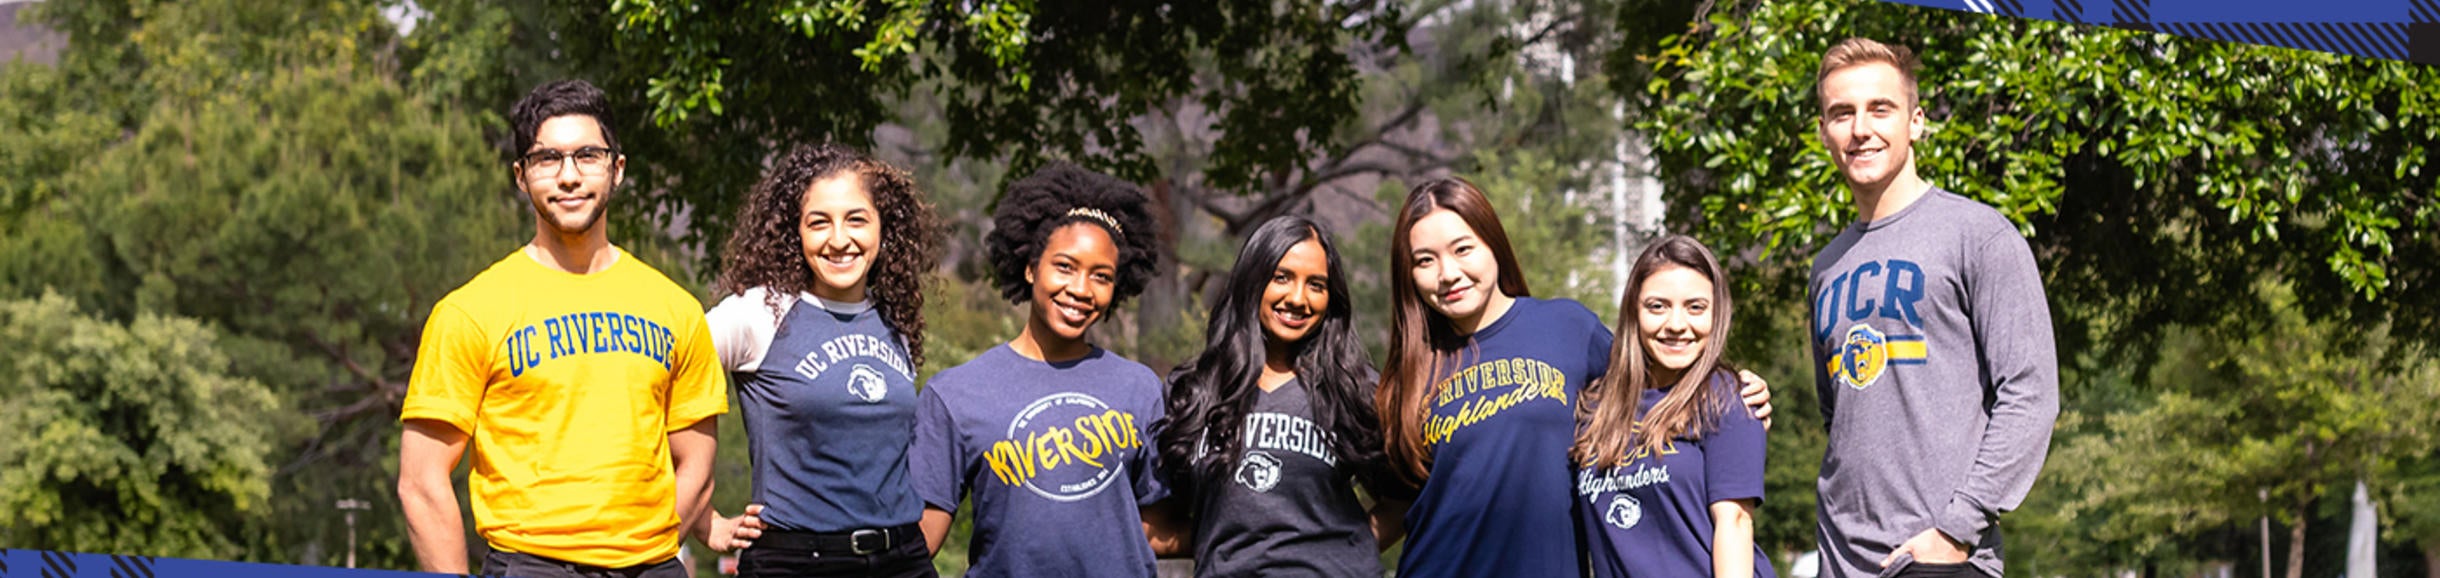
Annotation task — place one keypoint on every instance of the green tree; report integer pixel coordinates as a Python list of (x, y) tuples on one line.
[(135, 437), (272, 179), (2206, 162), (2298, 408)]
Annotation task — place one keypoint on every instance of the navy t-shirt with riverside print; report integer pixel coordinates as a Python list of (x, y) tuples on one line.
[(1651, 515), (829, 402), (1058, 458), (1498, 500)]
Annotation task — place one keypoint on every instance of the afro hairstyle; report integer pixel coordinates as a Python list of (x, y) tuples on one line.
[(1042, 202)]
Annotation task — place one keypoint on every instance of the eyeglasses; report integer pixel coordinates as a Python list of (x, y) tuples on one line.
[(590, 161)]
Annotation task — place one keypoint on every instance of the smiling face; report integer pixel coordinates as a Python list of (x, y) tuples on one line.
[(1673, 318), (842, 235), (1292, 304), (568, 202), (1456, 274), (1074, 279), (1870, 124)]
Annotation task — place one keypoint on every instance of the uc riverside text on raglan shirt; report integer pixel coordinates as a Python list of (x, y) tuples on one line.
[(1497, 502), (1058, 458), (570, 385), (829, 405), (1650, 515), (1933, 356)]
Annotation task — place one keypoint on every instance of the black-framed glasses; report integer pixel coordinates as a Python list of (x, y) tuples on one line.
[(590, 161)]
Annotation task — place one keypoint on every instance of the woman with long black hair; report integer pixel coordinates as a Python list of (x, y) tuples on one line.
[(1272, 427)]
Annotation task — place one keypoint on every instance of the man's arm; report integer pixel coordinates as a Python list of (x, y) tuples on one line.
[(2012, 336), (690, 456), (427, 452)]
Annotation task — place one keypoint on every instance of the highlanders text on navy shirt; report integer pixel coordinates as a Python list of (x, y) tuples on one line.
[(1650, 515), (1497, 501)]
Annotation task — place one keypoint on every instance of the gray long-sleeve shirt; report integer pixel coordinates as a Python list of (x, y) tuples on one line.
[(1938, 378)]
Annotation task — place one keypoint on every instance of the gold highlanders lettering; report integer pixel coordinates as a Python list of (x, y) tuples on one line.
[(1015, 462), (1525, 380)]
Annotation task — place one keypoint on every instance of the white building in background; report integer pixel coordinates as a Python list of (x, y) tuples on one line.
[(26, 40), (1627, 194)]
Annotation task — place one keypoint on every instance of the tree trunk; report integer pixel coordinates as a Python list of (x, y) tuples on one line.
[(2304, 515), (2431, 559)]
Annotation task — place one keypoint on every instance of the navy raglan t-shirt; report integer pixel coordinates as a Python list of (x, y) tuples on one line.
[(1498, 500), (829, 406), (1057, 456), (1651, 516)]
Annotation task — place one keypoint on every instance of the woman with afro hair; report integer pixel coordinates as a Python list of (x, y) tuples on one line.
[(1049, 435), (822, 330)]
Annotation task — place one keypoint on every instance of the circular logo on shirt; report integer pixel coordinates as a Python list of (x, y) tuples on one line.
[(1624, 512), (1259, 472), (1070, 445), (1863, 357), (866, 383)]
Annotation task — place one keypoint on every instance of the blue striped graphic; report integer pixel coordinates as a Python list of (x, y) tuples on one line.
[(2390, 29)]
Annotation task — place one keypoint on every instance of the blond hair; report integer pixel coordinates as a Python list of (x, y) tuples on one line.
[(1862, 51)]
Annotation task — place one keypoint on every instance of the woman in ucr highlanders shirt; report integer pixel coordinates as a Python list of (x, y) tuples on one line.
[(1478, 399), (1670, 465)]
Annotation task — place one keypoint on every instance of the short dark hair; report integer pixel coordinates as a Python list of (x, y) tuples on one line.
[(1064, 193), (557, 99)]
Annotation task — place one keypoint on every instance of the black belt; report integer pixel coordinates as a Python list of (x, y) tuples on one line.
[(857, 542)]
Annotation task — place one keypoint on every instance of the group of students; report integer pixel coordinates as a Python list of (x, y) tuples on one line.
[(1505, 436)]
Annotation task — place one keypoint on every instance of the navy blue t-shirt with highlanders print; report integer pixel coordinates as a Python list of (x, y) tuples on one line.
[(1497, 501)]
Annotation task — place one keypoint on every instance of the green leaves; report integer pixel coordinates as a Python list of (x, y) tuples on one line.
[(2309, 164), (126, 438)]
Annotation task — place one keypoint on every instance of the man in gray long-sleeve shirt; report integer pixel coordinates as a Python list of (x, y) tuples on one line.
[(1931, 343)]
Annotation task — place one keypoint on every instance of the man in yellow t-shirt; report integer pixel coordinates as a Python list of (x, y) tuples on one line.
[(584, 380)]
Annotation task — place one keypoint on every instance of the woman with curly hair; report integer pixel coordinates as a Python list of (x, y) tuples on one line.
[(1048, 434), (1478, 400), (1272, 427), (823, 330)]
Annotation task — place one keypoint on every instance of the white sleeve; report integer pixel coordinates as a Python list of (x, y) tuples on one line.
[(742, 327)]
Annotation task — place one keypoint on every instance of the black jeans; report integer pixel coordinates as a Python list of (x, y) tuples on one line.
[(769, 558), (518, 565), (1930, 570)]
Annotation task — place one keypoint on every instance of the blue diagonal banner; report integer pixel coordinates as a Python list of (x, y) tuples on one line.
[(48, 564), (2392, 29)]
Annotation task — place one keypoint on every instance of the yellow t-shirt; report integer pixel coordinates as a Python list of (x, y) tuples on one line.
[(570, 385)]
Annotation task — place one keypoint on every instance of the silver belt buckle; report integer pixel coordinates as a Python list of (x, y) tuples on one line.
[(855, 541)]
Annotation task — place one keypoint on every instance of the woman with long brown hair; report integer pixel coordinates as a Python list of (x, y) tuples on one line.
[(1671, 468), (1478, 399)]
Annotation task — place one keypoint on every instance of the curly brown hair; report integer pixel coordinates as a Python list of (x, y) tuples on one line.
[(766, 250)]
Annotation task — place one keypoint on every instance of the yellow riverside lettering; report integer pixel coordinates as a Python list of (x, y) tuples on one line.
[(1531, 380), (1017, 462)]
